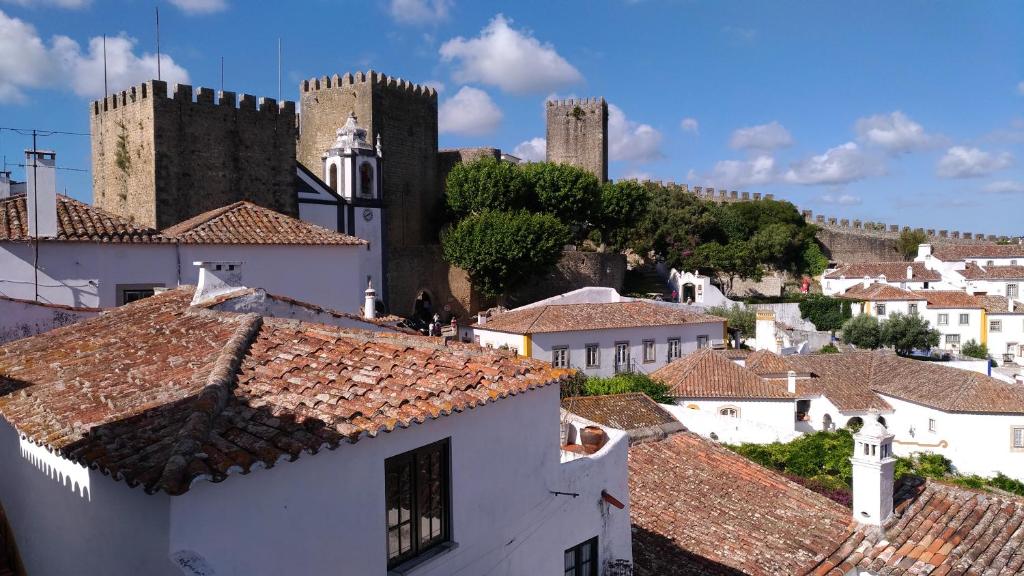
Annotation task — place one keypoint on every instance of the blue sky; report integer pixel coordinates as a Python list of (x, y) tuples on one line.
[(905, 112)]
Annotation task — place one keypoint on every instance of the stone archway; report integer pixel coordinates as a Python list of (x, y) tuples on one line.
[(689, 293)]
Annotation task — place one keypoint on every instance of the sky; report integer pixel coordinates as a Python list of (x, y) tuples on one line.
[(903, 112)]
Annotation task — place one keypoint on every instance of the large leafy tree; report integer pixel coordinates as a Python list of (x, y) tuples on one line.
[(623, 204), (863, 332), (486, 185), (571, 194), (737, 259), (908, 241), (908, 332), (738, 317), (501, 250)]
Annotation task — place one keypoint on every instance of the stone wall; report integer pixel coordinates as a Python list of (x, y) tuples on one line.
[(161, 158), (574, 270), (577, 134), (449, 157)]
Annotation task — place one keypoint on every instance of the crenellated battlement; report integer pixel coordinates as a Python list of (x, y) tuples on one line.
[(574, 102), (893, 231), (710, 193), (371, 77), (184, 93)]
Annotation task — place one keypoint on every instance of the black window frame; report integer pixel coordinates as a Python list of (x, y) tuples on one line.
[(417, 548), (122, 290), (578, 561)]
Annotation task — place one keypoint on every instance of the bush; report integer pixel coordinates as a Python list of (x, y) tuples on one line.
[(829, 349), (825, 312), (738, 317), (974, 350), (623, 383), (863, 332), (908, 332)]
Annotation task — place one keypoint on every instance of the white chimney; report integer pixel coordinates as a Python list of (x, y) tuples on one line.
[(867, 282), (910, 272), (481, 318), (764, 331), (791, 382), (216, 278), (5, 185), (873, 473), (370, 302), (924, 251), (41, 180)]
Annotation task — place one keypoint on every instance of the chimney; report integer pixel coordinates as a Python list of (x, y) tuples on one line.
[(216, 278), (873, 473), (370, 302), (791, 382), (764, 331), (41, 187), (5, 185), (481, 318), (910, 272), (867, 282), (924, 251)]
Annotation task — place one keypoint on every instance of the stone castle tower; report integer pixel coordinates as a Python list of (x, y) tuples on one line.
[(577, 134), (160, 159)]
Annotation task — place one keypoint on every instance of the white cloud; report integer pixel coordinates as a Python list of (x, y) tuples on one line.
[(200, 6), (532, 150), (419, 12), (27, 63), (839, 165), (436, 85), (739, 173), (510, 59), (469, 112), (1005, 187), (629, 140), (56, 3), (769, 136), (690, 125), (895, 132), (964, 162), (637, 175), (842, 199)]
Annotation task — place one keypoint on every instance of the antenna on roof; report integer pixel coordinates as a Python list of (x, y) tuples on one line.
[(158, 43), (221, 73)]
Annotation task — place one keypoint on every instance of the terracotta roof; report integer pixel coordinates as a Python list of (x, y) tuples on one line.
[(974, 272), (996, 304), (880, 292), (246, 223), (573, 317), (893, 271), (766, 362), (76, 222), (707, 373), (951, 299), (937, 529), (160, 394), (954, 252), (622, 411), (737, 353), (699, 509)]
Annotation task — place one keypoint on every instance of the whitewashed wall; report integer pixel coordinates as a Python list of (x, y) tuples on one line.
[(21, 319), (975, 443), (324, 514), (1009, 339), (775, 424), (835, 286), (970, 331), (67, 519)]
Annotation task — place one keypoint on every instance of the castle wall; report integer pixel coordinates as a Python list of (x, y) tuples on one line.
[(577, 134), (449, 157), (574, 270), (161, 158)]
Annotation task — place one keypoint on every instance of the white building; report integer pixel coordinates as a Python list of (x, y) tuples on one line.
[(695, 288), (974, 420), (24, 318), (164, 438), (599, 332), (905, 275), (96, 259)]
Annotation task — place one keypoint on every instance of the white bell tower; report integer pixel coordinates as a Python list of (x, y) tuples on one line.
[(352, 168), (873, 473)]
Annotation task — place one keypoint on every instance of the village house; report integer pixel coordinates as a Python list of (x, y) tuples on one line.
[(974, 420), (218, 430), (905, 275), (599, 332)]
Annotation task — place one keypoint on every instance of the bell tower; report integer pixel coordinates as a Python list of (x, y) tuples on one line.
[(352, 168), (873, 471)]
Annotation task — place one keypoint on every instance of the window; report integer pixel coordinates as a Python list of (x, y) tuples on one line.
[(995, 326), (128, 293), (416, 488), (965, 319), (675, 349), (925, 285), (1017, 437), (1013, 262), (702, 341), (560, 357), (989, 263), (649, 351), (581, 560), (332, 177), (931, 424), (365, 179), (730, 411), (952, 340), (1011, 291), (912, 308), (593, 356), (880, 309), (622, 362), (943, 319)]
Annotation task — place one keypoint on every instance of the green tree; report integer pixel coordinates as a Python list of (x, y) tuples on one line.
[(727, 262), (501, 250), (863, 332), (814, 261), (623, 383), (738, 317), (622, 206), (972, 349), (825, 312), (907, 332), (829, 349), (908, 241), (486, 184), (571, 194)]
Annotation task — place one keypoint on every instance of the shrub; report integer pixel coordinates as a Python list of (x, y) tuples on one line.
[(829, 349), (738, 317), (623, 383), (825, 312), (974, 350), (863, 332), (908, 332)]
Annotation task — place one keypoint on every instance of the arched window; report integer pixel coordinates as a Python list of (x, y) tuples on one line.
[(854, 424), (332, 177), (826, 422), (366, 179), (730, 411)]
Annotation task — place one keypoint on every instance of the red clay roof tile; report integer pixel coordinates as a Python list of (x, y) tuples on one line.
[(246, 223), (76, 222), (572, 317)]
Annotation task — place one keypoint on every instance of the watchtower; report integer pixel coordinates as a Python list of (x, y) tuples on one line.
[(160, 159), (577, 134)]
